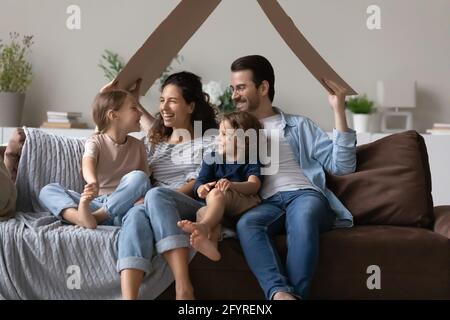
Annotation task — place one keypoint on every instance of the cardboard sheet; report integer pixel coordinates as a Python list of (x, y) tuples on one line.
[(168, 39), (150, 61), (312, 60)]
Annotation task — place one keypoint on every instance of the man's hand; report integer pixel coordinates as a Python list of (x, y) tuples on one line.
[(224, 184), (204, 189), (337, 102), (90, 191)]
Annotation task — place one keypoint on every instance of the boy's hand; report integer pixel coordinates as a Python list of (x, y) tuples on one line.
[(204, 189), (90, 191), (224, 184)]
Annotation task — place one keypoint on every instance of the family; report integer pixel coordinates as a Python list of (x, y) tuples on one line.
[(174, 203)]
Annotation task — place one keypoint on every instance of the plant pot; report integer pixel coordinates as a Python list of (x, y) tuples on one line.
[(11, 106), (361, 122)]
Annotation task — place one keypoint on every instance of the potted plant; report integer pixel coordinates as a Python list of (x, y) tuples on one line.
[(15, 77), (112, 64), (361, 108)]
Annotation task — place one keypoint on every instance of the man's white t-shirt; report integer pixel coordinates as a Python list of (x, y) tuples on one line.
[(290, 176)]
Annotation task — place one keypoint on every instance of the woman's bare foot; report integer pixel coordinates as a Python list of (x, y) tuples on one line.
[(186, 225), (85, 217), (200, 242), (283, 296)]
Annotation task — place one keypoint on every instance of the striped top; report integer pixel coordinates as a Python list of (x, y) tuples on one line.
[(175, 164)]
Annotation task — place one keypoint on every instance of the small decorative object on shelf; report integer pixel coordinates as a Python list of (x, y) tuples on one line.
[(394, 95), (362, 108), (440, 129), (64, 120)]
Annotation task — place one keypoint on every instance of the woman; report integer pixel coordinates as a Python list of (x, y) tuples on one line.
[(175, 158)]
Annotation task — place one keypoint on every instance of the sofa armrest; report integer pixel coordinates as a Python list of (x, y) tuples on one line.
[(442, 220), (13, 152)]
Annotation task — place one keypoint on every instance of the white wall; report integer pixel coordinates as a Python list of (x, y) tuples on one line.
[(413, 43)]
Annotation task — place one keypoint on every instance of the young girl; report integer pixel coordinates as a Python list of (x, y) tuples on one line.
[(229, 182), (114, 166)]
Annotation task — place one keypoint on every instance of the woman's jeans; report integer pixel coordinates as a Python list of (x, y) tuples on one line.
[(131, 188), (303, 214), (154, 223)]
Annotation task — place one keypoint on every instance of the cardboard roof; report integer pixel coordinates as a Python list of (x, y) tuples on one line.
[(153, 57)]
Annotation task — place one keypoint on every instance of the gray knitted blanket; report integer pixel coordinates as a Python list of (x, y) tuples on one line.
[(40, 258)]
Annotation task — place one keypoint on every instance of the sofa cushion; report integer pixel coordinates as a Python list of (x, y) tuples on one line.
[(391, 185)]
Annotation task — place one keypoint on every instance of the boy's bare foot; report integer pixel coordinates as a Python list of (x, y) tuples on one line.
[(283, 296), (186, 225), (85, 217), (200, 242)]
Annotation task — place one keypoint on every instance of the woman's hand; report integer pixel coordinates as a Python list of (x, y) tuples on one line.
[(204, 189), (110, 86), (135, 90), (224, 184)]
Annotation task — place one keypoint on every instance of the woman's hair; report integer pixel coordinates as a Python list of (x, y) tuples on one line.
[(191, 89), (245, 121), (103, 102)]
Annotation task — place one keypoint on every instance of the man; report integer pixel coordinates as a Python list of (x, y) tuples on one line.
[(295, 199)]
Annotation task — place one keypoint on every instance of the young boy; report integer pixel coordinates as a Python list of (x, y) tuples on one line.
[(229, 182)]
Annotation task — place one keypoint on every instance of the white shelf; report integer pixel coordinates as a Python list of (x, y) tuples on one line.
[(6, 133)]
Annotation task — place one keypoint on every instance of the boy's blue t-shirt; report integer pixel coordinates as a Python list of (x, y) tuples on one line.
[(235, 172)]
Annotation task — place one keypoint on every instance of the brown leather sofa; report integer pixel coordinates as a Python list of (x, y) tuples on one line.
[(396, 229)]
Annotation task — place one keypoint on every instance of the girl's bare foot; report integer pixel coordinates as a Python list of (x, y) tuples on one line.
[(200, 242), (85, 217)]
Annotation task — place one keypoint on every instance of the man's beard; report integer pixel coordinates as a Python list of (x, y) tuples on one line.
[(250, 105)]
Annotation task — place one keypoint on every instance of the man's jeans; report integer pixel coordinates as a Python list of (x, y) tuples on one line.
[(303, 214)]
